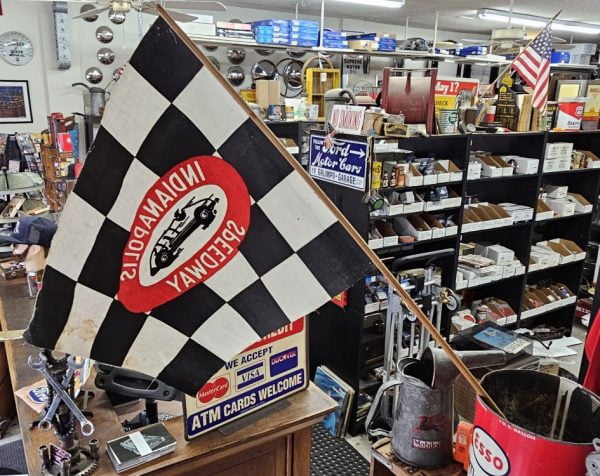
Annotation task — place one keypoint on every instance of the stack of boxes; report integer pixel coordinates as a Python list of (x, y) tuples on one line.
[(539, 299), (563, 203), (550, 253), (579, 53), (372, 42), (334, 39), (304, 33), (241, 31), (272, 31), (483, 263), (557, 156)]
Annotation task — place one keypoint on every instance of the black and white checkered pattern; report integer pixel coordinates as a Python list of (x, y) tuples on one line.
[(165, 109)]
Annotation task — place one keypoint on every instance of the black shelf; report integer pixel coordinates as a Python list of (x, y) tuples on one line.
[(336, 338), (409, 246), (441, 210), (498, 228), (572, 171), (497, 281), (500, 179), (552, 268), (568, 217), (414, 187)]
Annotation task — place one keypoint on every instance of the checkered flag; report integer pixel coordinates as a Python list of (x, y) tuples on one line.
[(189, 235)]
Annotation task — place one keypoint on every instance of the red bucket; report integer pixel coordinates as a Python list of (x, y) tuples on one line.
[(551, 423)]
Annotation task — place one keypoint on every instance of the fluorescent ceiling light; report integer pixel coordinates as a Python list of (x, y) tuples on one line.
[(537, 22), (377, 3)]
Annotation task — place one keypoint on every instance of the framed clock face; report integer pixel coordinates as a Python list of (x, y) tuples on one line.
[(15, 48)]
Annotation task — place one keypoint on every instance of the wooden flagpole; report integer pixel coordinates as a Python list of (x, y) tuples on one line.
[(408, 302), (507, 68)]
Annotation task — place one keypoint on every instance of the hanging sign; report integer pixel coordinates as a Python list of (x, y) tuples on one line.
[(352, 65), (342, 161)]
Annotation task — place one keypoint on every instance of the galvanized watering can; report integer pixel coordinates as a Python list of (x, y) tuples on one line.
[(423, 418)]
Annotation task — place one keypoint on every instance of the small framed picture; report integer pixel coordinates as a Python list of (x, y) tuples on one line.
[(15, 104)]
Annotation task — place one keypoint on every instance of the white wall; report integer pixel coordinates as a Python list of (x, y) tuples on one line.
[(51, 89)]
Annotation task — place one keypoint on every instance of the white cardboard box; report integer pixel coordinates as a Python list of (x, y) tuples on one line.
[(451, 230), (526, 165), (561, 207), (376, 243), (556, 191), (488, 170), (390, 241), (555, 150), (500, 254), (474, 170)]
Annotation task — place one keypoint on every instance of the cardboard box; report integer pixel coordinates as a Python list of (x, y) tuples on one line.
[(565, 255), (437, 229), (500, 254), (268, 92), (443, 175), (556, 191), (556, 150), (375, 244), (451, 230), (526, 165), (456, 175), (576, 251), (550, 165), (543, 211), (580, 202), (489, 167), (417, 206), (474, 170), (562, 207), (507, 170), (414, 226), (518, 212), (414, 178)]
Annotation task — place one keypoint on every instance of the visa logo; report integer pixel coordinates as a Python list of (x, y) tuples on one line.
[(283, 361), (250, 375)]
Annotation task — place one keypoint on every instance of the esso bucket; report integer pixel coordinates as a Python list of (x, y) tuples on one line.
[(549, 427)]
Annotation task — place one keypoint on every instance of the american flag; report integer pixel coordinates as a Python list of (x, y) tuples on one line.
[(533, 65)]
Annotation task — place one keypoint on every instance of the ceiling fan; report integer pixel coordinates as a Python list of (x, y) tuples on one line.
[(148, 6)]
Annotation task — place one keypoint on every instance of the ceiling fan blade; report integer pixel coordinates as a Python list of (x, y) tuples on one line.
[(93, 12), (177, 16), (196, 5), (181, 17)]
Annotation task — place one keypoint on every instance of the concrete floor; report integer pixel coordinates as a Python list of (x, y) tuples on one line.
[(572, 364)]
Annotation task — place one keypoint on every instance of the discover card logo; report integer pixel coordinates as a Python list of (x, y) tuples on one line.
[(189, 225)]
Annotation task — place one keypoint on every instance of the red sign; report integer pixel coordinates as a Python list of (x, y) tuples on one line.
[(189, 225), (289, 330), (212, 390)]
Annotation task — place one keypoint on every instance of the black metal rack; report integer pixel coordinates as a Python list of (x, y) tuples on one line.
[(337, 338)]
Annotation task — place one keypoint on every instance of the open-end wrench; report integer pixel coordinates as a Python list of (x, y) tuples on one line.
[(46, 422), (87, 427)]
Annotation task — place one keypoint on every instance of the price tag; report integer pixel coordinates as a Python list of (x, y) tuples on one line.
[(323, 77)]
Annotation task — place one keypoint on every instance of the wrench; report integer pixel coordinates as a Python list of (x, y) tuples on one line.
[(87, 427), (46, 422)]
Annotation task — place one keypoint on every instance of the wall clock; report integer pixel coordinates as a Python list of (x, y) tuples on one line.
[(15, 48)]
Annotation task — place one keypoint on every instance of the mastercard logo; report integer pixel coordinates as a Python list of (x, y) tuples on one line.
[(213, 390)]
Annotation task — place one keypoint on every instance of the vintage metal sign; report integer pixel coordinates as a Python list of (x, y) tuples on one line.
[(341, 161)]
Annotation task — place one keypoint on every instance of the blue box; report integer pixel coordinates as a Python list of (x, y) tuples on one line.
[(563, 57)]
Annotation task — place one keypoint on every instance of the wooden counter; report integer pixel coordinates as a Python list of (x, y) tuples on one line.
[(278, 444)]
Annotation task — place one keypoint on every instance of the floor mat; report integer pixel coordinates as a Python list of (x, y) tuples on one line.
[(333, 456), (12, 456)]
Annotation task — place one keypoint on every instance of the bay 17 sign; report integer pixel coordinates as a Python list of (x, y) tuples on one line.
[(343, 161)]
